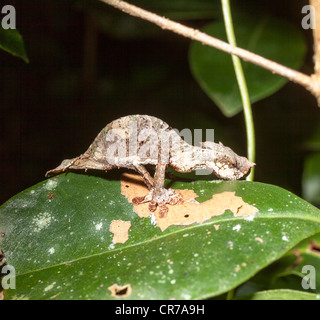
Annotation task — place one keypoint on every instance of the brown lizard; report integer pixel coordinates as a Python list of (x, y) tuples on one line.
[(138, 140)]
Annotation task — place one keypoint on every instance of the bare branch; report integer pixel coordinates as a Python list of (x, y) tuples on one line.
[(164, 23)]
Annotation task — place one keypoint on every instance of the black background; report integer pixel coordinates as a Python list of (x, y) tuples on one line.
[(80, 77)]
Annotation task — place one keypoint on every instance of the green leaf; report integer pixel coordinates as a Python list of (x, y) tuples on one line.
[(281, 295), (56, 235), (12, 42), (269, 37), (288, 271), (311, 178)]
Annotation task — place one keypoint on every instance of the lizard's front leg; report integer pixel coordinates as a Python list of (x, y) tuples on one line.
[(160, 195), (148, 180)]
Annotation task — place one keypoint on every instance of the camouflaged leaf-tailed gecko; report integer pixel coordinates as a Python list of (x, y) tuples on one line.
[(138, 140)]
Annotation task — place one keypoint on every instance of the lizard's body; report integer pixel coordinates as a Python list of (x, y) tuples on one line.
[(136, 141)]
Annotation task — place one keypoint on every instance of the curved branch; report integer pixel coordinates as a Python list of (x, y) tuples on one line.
[(164, 23)]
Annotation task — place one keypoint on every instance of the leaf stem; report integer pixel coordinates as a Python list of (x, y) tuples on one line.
[(247, 110), (230, 294)]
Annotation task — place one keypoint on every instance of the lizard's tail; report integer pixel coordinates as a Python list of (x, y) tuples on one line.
[(65, 164), (82, 162)]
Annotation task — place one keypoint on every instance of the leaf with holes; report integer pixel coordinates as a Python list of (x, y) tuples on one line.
[(57, 236)]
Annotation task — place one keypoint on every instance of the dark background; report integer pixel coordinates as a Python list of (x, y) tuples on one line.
[(90, 64)]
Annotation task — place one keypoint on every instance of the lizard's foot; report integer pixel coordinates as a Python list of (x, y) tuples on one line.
[(163, 208), (160, 198)]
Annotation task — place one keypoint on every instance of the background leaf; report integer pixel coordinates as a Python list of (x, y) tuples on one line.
[(311, 178), (268, 37), (56, 235), (281, 295), (286, 273), (12, 42)]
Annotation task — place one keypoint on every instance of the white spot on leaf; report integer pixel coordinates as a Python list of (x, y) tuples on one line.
[(98, 226), (237, 227), (51, 184)]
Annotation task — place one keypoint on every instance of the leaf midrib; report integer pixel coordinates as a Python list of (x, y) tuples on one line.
[(164, 236)]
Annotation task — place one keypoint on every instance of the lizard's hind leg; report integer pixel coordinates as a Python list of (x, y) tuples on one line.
[(158, 195)]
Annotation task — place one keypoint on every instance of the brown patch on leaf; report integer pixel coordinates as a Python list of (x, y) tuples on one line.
[(120, 291), (51, 196), (190, 211), (120, 229), (1, 295)]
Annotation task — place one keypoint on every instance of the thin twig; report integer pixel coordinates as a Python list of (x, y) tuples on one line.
[(164, 23)]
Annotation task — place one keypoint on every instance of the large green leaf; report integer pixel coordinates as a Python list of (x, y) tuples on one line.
[(268, 37), (12, 42), (57, 238)]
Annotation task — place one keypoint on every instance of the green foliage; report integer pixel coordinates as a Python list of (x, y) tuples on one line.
[(281, 295), (56, 233), (12, 42), (288, 272), (311, 178), (268, 37), (57, 237)]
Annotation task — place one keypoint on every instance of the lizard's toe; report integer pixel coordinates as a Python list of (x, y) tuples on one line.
[(152, 206), (176, 198), (163, 210), (160, 199), (138, 200)]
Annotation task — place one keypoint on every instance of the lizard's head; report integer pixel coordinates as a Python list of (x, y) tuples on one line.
[(226, 163)]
